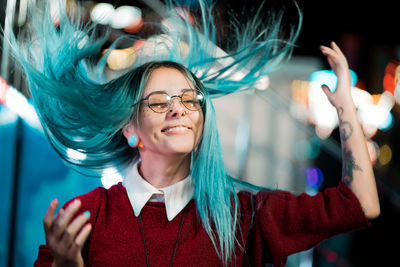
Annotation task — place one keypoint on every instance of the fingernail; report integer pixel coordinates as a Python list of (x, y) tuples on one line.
[(54, 202), (87, 214), (77, 202)]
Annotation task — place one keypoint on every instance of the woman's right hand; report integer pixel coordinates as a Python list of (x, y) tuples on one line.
[(65, 238)]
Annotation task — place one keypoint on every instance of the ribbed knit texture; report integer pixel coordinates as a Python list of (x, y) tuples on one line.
[(283, 224)]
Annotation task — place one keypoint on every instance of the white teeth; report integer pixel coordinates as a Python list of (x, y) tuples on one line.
[(179, 128)]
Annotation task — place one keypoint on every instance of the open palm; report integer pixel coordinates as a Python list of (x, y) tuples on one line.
[(338, 63)]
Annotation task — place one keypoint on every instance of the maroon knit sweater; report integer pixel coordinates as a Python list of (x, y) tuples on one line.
[(282, 224)]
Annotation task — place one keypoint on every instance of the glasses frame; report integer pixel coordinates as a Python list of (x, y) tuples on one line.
[(171, 98)]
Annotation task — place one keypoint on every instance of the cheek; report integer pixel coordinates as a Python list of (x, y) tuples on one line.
[(199, 122), (150, 124)]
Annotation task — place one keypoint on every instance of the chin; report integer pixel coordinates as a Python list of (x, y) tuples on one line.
[(180, 145), (178, 151)]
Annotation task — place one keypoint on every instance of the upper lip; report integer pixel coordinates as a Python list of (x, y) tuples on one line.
[(173, 126)]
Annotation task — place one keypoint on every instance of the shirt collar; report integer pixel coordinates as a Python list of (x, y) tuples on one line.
[(176, 196)]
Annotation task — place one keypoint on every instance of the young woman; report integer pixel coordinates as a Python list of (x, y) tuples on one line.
[(177, 206)]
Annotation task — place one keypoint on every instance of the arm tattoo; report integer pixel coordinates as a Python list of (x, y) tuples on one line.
[(346, 129), (349, 165)]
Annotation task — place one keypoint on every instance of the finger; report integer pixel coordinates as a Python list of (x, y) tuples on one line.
[(336, 48), (332, 62), (326, 90), (329, 52), (74, 227), (65, 217), (83, 235), (49, 216)]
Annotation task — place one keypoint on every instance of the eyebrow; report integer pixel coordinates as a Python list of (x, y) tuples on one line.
[(165, 92)]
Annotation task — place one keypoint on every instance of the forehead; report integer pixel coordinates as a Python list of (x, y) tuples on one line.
[(167, 79)]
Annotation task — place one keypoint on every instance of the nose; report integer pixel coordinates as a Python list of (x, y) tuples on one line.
[(176, 107)]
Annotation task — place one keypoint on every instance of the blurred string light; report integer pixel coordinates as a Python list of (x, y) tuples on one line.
[(397, 85), (373, 150), (385, 154), (397, 93), (127, 18), (299, 102), (121, 58), (110, 176), (102, 13), (224, 59), (329, 78), (75, 154), (310, 104), (19, 104), (7, 116), (314, 179), (55, 7), (185, 14), (389, 78)]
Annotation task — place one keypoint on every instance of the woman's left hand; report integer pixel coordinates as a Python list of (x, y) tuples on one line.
[(338, 63)]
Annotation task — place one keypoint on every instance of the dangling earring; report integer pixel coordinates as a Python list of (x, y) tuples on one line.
[(140, 144), (133, 140)]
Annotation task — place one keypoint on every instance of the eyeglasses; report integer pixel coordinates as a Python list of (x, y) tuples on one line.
[(161, 102)]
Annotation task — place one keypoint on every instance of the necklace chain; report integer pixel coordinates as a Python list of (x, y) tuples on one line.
[(176, 242)]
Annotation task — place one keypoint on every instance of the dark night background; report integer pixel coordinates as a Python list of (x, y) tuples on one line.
[(368, 33)]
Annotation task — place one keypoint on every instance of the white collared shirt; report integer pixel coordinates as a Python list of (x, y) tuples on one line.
[(175, 196)]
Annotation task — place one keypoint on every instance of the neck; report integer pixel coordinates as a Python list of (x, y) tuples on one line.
[(164, 170)]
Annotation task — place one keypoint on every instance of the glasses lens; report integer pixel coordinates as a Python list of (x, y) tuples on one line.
[(192, 99), (159, 102)]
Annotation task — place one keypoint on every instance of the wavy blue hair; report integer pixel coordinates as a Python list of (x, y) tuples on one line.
[(82, 110)]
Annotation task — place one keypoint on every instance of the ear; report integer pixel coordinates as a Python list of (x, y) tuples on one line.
[(128, 130)]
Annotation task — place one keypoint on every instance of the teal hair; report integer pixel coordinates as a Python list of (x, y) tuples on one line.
[(215, 197), (83, 110)]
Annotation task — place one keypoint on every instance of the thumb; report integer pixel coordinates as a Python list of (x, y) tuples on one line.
[(326, 90)]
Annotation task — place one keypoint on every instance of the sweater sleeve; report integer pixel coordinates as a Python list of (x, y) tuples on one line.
[(289, 223), (90, 201)]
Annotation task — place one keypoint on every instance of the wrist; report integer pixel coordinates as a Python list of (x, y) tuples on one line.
[(345, 103)]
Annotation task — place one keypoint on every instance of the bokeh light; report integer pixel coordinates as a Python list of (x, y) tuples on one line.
[(19, 104), (102, 13), (329, 78), (126, 16), (3, 90), (373, 151), (314, 177), (385, 154), (75, 155), (110, 177), (389, 79)]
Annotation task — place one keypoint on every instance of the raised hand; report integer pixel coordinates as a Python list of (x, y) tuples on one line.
[(357, 172), (65, 237), (338, 63)]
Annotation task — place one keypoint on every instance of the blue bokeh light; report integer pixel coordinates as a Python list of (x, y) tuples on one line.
[(329, 78), (314, 177)]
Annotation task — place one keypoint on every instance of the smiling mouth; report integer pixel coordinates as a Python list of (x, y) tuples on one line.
[(176, 129)]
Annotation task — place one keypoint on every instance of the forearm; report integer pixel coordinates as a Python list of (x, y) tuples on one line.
[(357, 168)]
